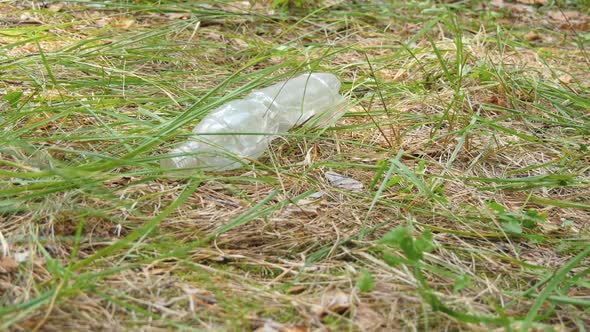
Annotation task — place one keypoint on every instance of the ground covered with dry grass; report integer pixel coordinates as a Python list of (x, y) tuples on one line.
[(468, 129)]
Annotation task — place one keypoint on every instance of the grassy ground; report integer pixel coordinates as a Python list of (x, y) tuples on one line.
[(469, 127)]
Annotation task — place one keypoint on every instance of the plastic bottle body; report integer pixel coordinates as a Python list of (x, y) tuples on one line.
[(300, 98), (244, 128)]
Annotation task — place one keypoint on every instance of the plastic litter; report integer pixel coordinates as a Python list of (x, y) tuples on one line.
[(242, 129), (343, 182)]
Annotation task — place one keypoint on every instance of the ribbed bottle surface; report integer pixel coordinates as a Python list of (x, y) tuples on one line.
[(244, 128)]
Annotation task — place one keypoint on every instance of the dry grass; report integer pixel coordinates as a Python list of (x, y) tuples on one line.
[(454, 108)]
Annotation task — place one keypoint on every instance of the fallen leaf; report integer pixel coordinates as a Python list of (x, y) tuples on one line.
[(178, 16), (496, 100), (565, 79), (294, 328), (333, 301), (103, 22), (521, 9), (240, 43), (367, 318), (304, 211), (497, 3), (532, 36), (7, 265), (392, 74), (559, 15), (547, 227), (533, 2), (55, 7), (340, 181), (582, 26), (296, 289), (125, 24)]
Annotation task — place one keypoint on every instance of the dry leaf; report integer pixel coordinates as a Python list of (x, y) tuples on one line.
[(296, 289), (125, 24), (521, 9), (548, 228), (7, 264), (563, 16), (533, 2), (55, 7), (532, 36), (340, 181), (392, 74), (178, 16), (240, 43), (309, 211), (497, 3), (103, 22), (581, 26), (367, 318), (294, 328), (496, 100), (333, 301), (565, 79)]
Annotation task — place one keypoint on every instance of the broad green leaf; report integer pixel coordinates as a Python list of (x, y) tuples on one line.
[(395, 236), (512, 227)]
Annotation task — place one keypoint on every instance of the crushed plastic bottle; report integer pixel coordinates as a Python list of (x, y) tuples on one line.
[(242, 129)]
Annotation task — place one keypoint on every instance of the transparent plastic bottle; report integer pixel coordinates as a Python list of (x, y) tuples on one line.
[(242, 129)]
